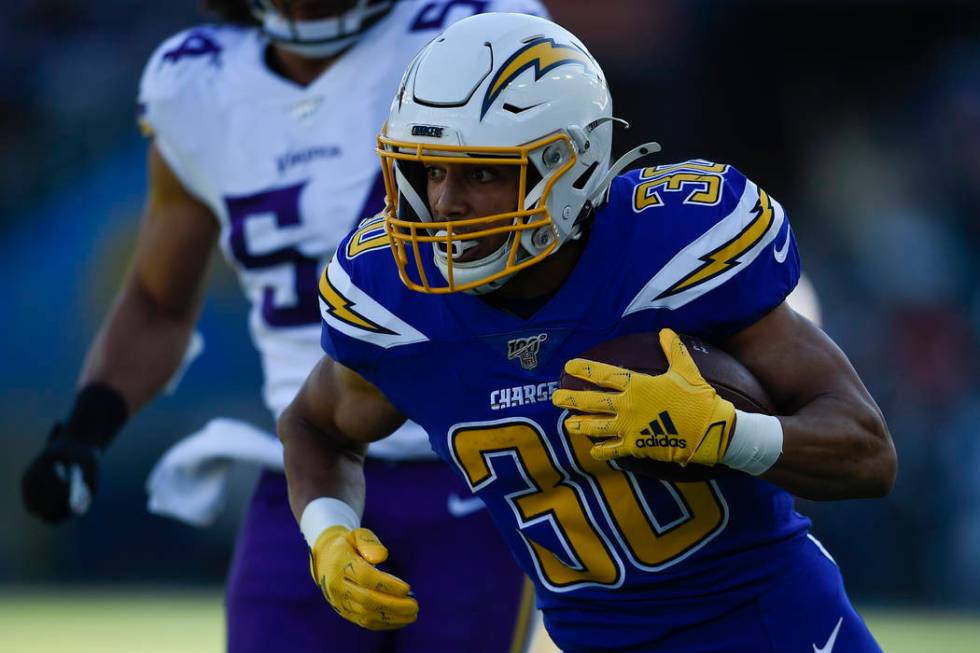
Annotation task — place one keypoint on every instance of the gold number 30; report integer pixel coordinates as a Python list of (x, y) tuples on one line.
[(703, 181), (593, 547)]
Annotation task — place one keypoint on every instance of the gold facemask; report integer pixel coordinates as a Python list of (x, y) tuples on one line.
[(407, 235)]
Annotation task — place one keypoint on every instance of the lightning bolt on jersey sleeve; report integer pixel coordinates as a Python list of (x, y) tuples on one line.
[(726, 254), (365, 323), (357, 327)]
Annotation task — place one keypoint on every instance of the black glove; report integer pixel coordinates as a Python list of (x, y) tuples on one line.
[(61, 481)]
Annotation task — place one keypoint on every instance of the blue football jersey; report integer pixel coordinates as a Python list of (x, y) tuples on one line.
[(693, 246)]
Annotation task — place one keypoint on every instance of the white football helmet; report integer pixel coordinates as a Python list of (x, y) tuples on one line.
[(497, 89), (343, 24)]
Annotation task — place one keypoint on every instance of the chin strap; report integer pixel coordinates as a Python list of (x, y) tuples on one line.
[(602, 190)]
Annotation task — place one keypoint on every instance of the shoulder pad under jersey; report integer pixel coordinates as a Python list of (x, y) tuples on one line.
[(179, 73)]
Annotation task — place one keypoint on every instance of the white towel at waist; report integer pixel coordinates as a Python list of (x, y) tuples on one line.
[(190, 482)]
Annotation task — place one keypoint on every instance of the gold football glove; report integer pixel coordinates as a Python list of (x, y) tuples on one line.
[(672, 417), (342, 563)]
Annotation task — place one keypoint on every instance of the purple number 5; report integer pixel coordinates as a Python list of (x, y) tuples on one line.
[(283, 205), (433, 16)]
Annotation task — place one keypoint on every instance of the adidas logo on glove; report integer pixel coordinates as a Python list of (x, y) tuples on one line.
[(658, 434)]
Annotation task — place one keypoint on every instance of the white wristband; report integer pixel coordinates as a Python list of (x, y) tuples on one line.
[(756, 443), (320, 514)]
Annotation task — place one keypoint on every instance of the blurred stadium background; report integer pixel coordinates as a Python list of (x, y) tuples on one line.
[(862, 118)]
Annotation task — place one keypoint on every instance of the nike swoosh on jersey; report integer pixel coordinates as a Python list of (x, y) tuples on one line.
[(780, 253), (460, 507), (829, 646)]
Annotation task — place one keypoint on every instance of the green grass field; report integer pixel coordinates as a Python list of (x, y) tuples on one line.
[(180, 622)]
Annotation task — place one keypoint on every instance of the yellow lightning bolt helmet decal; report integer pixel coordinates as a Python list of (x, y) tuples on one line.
[(542, 54), (727, 255), (341, 308)]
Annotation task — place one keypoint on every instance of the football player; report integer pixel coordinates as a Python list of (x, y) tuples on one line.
[(261, 145), (510, 244)]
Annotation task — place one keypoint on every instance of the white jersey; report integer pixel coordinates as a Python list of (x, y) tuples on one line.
[(288, 170)]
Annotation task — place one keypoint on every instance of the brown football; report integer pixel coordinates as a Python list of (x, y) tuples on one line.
[(641, 352)]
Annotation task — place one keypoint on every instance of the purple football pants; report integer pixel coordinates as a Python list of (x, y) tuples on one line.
[(466, 582)]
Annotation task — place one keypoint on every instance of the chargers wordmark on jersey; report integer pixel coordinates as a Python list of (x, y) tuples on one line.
[(522, 395)]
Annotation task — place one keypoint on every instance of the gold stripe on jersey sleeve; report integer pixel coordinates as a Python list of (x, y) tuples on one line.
[(342, 308), (728, 255)]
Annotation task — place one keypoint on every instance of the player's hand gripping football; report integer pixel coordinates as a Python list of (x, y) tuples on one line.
[(60, 481), (342, 563), (672, 417)]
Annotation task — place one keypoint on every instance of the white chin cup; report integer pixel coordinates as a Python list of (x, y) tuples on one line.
[(460, 247), (470, 271)]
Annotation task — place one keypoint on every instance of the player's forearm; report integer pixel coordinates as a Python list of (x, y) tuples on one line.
[(139, 346), (318, 467), (835, 448)]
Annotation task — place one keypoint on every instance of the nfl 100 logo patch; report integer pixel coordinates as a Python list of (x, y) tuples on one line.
[(526, 350)]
